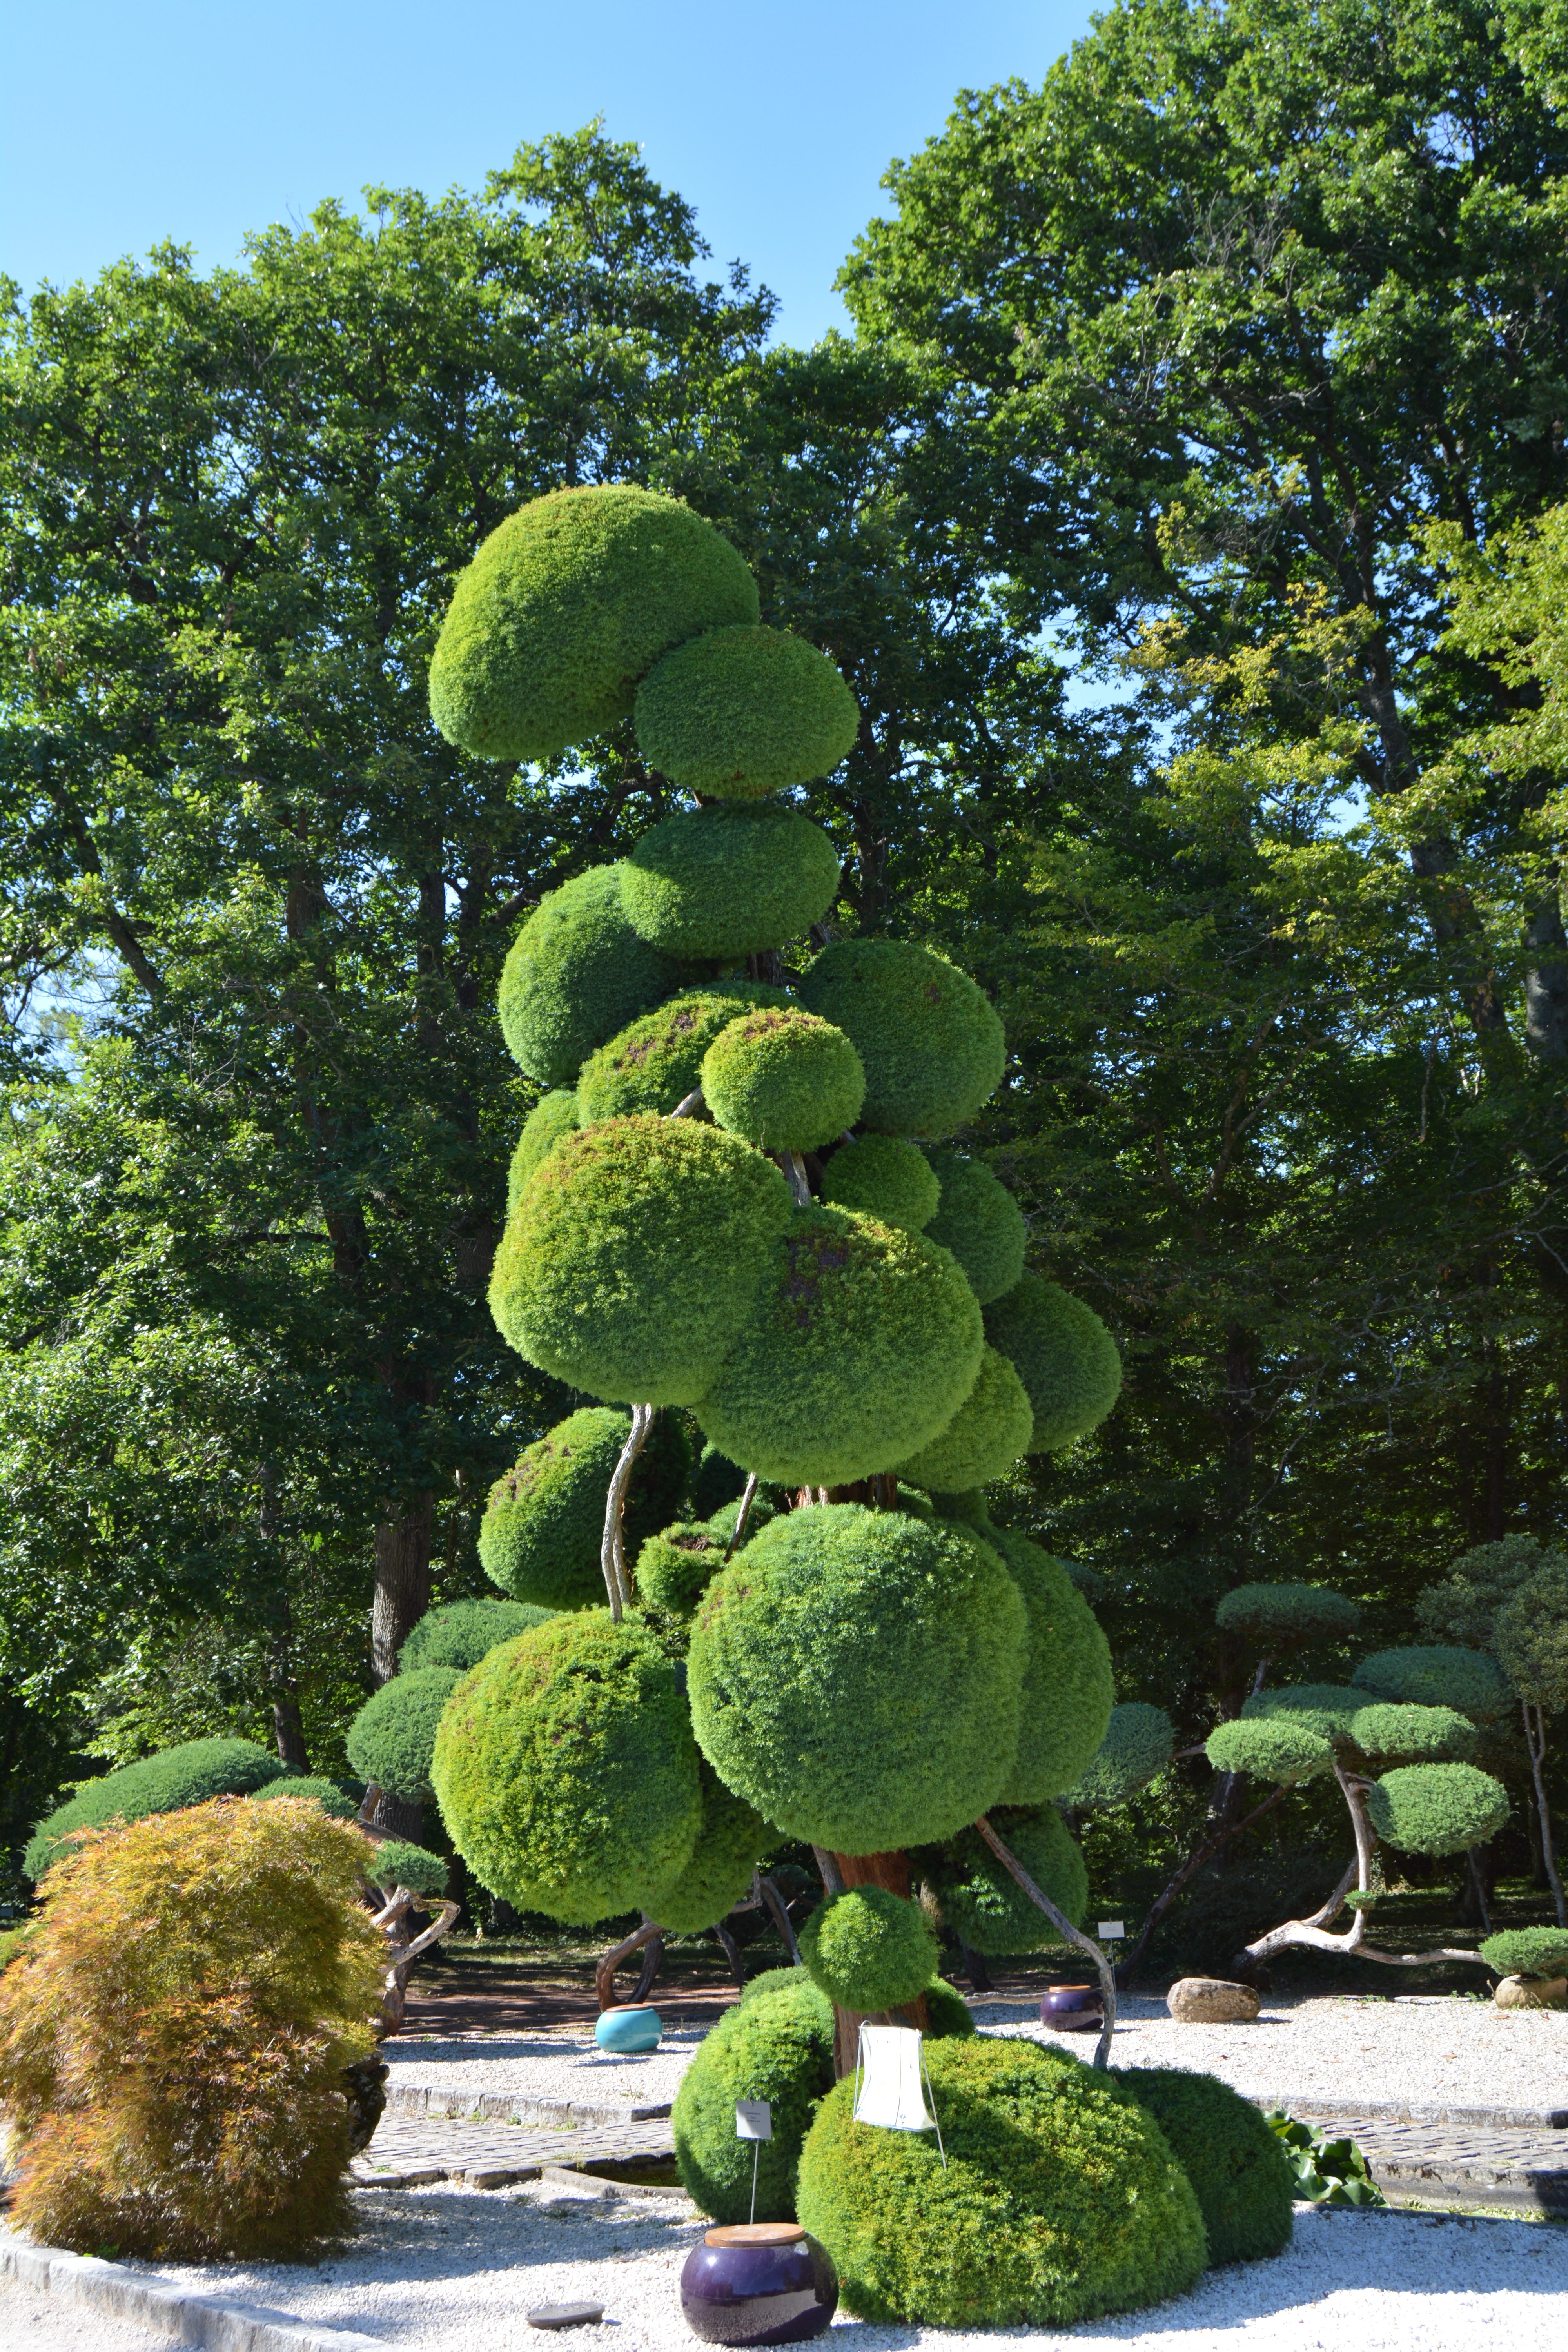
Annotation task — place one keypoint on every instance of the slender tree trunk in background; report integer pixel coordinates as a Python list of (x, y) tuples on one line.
[(1546, 979), (1536, 1740), (890, 1871), (288, 1728), (402, 1582)]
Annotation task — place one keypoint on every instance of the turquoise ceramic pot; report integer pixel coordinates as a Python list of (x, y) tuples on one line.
[(632, 2026)]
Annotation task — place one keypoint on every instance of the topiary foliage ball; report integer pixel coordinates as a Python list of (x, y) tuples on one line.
[(566, 1772), (990, 1430), (325, 1793), (393, 1737), (1528, 1952), (565, 606), (885, 1177), (1277, 1750), (932, 1045), (654, 1064), (188, 1774), (393, 1861), (1437, 1674), (776, 2044), (1389, 1733), (553, 1116), (635, 1257), (1064, 1355), (1244, 2182), (856, 1674), (1139, 1742), (1287, 1616), (947, 2012), (1436, 1808), (460, 1633), (576, 973), (863, 1343), (1060, 2198), (1327, 1708), (1068, 1687), (980, 1221), (544, 1521), (868, 1949), (783, 1079), (743, 711), (729, 880), (675, 1568), (980, 1901), (730, 1844)]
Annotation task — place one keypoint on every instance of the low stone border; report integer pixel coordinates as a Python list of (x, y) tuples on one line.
[(510, 2108), (1400, 2111), (168, 2310)]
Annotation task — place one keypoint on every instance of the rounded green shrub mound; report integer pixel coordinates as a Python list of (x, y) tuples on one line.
[(1390, 1733), (990, 1430), (743, 711), (776, 2046), (1272, 1749), (1064, 1357), (1059, 2201), (1327, 1708), (980, 1221), (566, 1772), (885, 1177), (544, 1521), (947, 2012), (1436, 1808), (1068, 1687), (775, 1981), (325, 1793), (1244, 2182), (393, 1737), (565, 606), (763, 1508), (675, 1568), (1283, 1616), (715, 1480), (654, 1064), (393, 1861), (783, 1079), (1139, 1741), (460, 1633), (636, 1257), (730, 1844), (856, 1674), (863, 1343), (576, 973), (187, 1774), (932, 1044), (553, 1116), (1437, 1674), (868, 1949), (729, 880), (1528, 1952), (980, 1900)]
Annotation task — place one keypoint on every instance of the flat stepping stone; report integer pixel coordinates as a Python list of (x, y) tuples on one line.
[(566, 2314)]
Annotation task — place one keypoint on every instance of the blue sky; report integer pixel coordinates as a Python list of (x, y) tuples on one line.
[(158, 119)]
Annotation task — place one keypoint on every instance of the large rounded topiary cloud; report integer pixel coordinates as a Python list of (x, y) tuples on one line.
[(725, 881), (544, 1521), (460, 1633), (932, 1044), (733, 1840), (1436, 1809), (783, 1079), (393, 1737), (1244, 2182), (1438, 1675), (1064, 1355), (740, 712), (654, 1063), (884, 1176), (576, 973), (990, 1429), (566, 605), (980, 1221), (189, 1774), (982, 1903), (1287, 1616), (856, 1674), (1139, 1741), (553, 1116), (1068, 1688)]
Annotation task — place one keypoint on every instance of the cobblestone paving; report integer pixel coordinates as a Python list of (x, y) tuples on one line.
[(1461, 2164), (407, 2150)]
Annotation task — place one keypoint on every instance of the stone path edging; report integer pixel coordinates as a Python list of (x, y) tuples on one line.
[(1401, 2111), (175, 2311), (510, 2107)]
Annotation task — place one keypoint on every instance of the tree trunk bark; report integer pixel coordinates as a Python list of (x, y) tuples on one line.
[(402, 1581), (890, 1871)]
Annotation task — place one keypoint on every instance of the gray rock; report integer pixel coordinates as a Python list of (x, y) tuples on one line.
[(1211, 2000)]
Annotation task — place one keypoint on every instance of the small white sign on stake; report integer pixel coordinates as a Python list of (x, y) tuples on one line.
[(753, 2121), (1109, 1929)]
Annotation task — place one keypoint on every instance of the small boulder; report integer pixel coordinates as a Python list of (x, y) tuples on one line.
[(1211, 2000), (1532, 1993)]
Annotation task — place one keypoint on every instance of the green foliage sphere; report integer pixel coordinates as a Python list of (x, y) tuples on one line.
[(1064, 1357), (675, 1566), (783, 1079), (931, 1044), (730, 1844), (566, 1772), (575, 975), (857, 1675), (566, 605), (636, 1256), (776, 2044), (743, 711), (868, 1949), (1139, 1742), (1068, 1687), (729, 880), (393, 1737), (1060, 2199), (1327, 1708), (978, 1896), (947, 2014), (1528, 1952), (1273, 1749), (989, 1432), (393, 1861), (885, 1177), (544, 1521), (189, 1774), (1438, 1675), (325, 1793), (863, 1343), (553, 1116), (460, 1633), (655, 1063), (1244, 2182), (1287, 1616), (980, 1221), (1436, 1808), (1391, 1734)]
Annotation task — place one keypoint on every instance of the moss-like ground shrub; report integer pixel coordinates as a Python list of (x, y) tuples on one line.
[(187, 1774), (1245, 2182), (675, 1566), (553, 1116), (783, 1079), (1068, 1687), (885, 1177), (931, 1044), (654, 1064), (990, 1430), (393, 1861), (1438, 1675), (776, 2044), (576, 973), (636, 1257), (863, 1342), (1436, 1808), (1389, 1733), (173, 2039), (1064, 1357), (393, 1737), (325, 1793), (544, 1521), (980, 1221), (1287, 1616), (566, 605), (868, 1949), (1060, 2199), (460, 1633), (1528, 1951), (739, 712), (731, 1842), (1139, 1741), (982, 1902), (728, 880), (566, 1772), (1273, 1748), (857, 1674)]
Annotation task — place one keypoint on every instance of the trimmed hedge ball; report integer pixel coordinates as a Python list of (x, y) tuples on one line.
[(776, 2044), (885, 1177), (932, 1044), (1060, 2199), (393, 1862), (989, 1432), (783, 1079), (393, 1737), (731, 1842), (1244, 2182), (729, 880), (1436, 1808), (1390, 1733), (675, 1568), (868, 1949), (566, 1772), (1287, 1616), (1064, 1357), (544, 1521), (1437, 1674), (743, 711), (1139, 1742), (1528, 1952), (947, 2014), (978, 1898), (460, 1633), (1327, 1708), (1277, 1750), (566, 605), (315, 1791), (980, 1221), (553, 1116), (636, 1257), (857, 1674), (1068, 1687), (863, 1343), (654, 1064), (189, 1774), (723, 1521), (575, 974)]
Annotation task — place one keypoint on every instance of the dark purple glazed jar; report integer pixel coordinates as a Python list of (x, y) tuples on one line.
[(1073, 2009), (759, 2283)]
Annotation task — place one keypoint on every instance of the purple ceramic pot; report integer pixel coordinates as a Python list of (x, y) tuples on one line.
[(1073, 2009), (759, 2283)]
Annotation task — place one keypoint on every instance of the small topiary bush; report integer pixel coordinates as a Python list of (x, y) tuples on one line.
[(1243, 2179), (980, 1221), (947, 2012), (1327, 1708), (1068, 1687), (1389, 1734), (1528, 1952), (989, 1432), (931, 1042), (393, 1861), (982, 1903), (393, 1737), (1273, 1748), (1287, 1616), (187, 1774), (1060, 2199), (885, 1177), (655, 1063), (1064, 1357), (553, 1116), (1139, 1742), (728, 880), (460, 1633), (325, 1793), (675, 1568), (731, 1842), (783, 1079), (544, 1521), (1436, 1808), (575, 974), (868, 1949), (1435, 1675), (776, 2046), (740, 712)]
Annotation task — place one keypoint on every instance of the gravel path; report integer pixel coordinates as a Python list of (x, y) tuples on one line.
[(37, 2323), (543, 2066)]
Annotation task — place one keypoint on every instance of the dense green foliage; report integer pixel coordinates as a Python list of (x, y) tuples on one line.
[(731, 1842), (675, 1566), (1436, 1808), (1272, 1748), (776, 2044), (1240, 2174), (885, 1177), (739, 712), (187, 1774), (1287, 1616), (393, 1737), (1412, 1735), (544, 1521), (1437, 1675), (553, 1116), (654, 1063), (978, 1896), (576, 973), (1527, 1951), (785, 1080), (1068, 1687), (393, 1863), (460, 1633), (325, 1793), (987, 1433), (1329, 1709), (728, 880), (868, 1949), (980, 1221), (931, 1044), (1064, 1357), (1138, 1743)]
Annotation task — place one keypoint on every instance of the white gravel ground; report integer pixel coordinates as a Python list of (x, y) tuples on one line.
[(38, 2323), (540, 2067)]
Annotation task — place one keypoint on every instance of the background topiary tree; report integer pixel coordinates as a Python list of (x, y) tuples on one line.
[(187, 1774)]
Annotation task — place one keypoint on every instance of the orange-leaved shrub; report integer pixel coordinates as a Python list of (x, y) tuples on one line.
[(173, 2039)]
